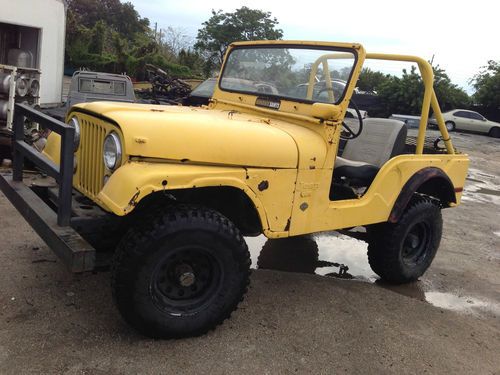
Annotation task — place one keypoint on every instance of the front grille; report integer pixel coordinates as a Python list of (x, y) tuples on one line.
[(90, 166)]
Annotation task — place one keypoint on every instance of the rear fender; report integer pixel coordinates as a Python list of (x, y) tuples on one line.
[(430, 181)]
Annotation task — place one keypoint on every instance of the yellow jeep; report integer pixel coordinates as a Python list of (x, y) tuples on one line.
[(170, 191)]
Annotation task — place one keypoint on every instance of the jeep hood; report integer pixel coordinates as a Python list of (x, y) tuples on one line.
[(197, 135)]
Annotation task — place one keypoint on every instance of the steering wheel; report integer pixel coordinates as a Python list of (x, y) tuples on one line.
[(347, 132)]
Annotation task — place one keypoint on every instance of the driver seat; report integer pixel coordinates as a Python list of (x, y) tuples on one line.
[(362, 158)]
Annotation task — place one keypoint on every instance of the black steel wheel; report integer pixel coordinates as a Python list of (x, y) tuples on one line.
[(180, 273), (402, 252), (186, 280), (416, 243)]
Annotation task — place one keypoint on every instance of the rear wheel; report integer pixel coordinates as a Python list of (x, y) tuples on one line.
[(402, 252), (450, 126), (494, 132), (180, 273)]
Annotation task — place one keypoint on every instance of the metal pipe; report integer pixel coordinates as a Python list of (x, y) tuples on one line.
[(428, 78), (4, 83), (429, 94), (4, 109), (441, 125)]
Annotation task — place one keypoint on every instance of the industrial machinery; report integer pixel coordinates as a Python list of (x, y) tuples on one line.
[(17, 85)]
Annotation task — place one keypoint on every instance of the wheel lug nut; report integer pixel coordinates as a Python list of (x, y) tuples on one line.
[(187, 279)]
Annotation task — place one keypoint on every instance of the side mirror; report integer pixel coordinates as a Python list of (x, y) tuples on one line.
[(325, 111)]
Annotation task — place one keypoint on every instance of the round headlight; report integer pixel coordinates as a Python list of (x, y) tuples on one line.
[(112, 151), (74, 122)]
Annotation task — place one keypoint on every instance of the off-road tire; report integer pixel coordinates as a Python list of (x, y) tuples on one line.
[(402, 252), (450, 126), (494, 132), (146, 285)]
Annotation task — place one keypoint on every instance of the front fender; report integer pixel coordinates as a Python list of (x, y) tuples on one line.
[(135, 180)]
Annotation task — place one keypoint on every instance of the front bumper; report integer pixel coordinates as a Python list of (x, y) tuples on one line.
[(67, 244)]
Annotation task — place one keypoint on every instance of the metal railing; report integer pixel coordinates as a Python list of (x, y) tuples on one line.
[(62, 173)]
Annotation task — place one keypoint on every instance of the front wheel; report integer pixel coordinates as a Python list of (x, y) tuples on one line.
[(402, 252), (181, 273), (494, 132)]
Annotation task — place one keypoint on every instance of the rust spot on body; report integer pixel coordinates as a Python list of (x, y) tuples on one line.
[(287, 226), (263, 185), (133, 200), (304, 206)]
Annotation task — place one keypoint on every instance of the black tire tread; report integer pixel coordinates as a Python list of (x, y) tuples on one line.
[(133, 245), (384, 237)]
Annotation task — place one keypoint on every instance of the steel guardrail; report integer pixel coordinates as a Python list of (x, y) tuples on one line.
[(62, 173)]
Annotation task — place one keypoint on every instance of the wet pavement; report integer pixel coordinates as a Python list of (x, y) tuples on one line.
[(482, 187), (327, 254)]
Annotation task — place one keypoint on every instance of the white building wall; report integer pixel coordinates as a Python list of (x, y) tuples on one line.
[(50, 17)]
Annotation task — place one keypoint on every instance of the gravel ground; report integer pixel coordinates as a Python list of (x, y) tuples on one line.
[(299, 321)]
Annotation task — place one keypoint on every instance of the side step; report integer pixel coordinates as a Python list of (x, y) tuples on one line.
[(66, 243)]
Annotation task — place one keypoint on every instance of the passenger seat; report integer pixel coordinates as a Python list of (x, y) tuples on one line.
[(380, 140)]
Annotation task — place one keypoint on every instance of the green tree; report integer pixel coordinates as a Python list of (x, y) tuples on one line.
[(120, 17), (110, 36), (405, 94), (98, 36), (370, 80), (222, 29), (402, 94), (97, 30), (192, 59), (487, 85), (449, 95)]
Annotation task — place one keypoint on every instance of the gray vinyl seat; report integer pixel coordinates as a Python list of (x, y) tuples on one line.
[(362, 158)]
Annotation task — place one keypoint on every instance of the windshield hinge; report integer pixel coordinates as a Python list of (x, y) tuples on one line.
[(330, 130)]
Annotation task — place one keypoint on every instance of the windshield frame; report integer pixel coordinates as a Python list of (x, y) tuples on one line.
[(326, 47)]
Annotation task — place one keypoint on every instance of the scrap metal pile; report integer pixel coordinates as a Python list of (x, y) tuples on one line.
[(164, 88)]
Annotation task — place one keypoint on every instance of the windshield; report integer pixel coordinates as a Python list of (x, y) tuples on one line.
[(205, 89), (291, 72)]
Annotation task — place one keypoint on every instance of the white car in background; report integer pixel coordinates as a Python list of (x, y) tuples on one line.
[(462, 119)]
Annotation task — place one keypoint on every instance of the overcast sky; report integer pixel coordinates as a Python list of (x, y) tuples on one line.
[(463, 36)]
